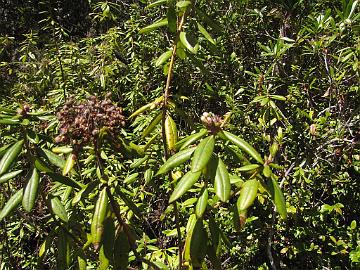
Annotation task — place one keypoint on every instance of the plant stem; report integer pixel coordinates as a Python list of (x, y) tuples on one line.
[(164, 112)]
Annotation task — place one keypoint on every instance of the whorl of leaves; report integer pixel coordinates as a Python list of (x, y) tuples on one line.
[(81, 122)]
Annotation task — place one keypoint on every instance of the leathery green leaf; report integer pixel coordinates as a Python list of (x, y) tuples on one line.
[(9, 176), (97, 223), (156, 3), (154, 26), (249, 167), (59, 209), (278, 198), (31, 191), (202, 203), (206, 34), (163, 58), (69, 164), (186, 43), (10, 156), (222, 182), (185, 183), (176, 160), (190, 139), (154, 122), (11, 204), (203, 153), (247, 194), (171, 135), (243, 145)]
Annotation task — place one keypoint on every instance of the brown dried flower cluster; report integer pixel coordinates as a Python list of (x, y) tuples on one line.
[(212, 122), (81, 123)]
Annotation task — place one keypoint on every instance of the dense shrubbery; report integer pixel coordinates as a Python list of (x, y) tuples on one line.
[(215, 134)]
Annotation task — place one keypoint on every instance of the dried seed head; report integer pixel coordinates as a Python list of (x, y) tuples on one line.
[(80, 123)]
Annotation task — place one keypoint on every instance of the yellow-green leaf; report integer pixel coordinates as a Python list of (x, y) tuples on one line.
[(243, 145), (31, 191), (203, 153), (247, 194), (176, 160), (11, 204), (154, 26), (222, 181), (185, 183), (10, 156)]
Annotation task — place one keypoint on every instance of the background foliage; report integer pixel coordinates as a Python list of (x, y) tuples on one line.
[(286, 70)]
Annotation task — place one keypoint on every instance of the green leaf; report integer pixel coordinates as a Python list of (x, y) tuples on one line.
[(243, 145), (154, 122), (64, 180), (156, 3), (183, 4), (176, 160), (186, 43), (9, 176), (62, 150), (198, 243), (249, 167), (202, 203), (278, 198), (69, 164), (172, 19), (247, 194), (206, 34), (190, 139), (58, 209), (11, 204), (185, 183), (163, 58), (10, 156), (203, 153), (31, 191), (222, 182), (9, 121), (267, 171), (52, 158), (154, 26)]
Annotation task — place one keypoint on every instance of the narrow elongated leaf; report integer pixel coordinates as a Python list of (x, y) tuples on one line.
[(11, 204), (198, 243), (64, 180), (163, 58), (202, 203), (9, 176), (243, 145), (42, 166), (206, 34), (185, 183), (222, 182), (10, 121), (58, 209), (31, 191), (278, 198), (10, 156), (176, 160), (183, 4), (247, 194), (52, 158), (69, 164), (203, 153), (154, 26), (121, 251), (186, 43), (141, 110), (156, 3), (182, 144), (249, 167), (170, 133), (97, 223), (154, 122), (172, 18), (189, 231), (62, 150)]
